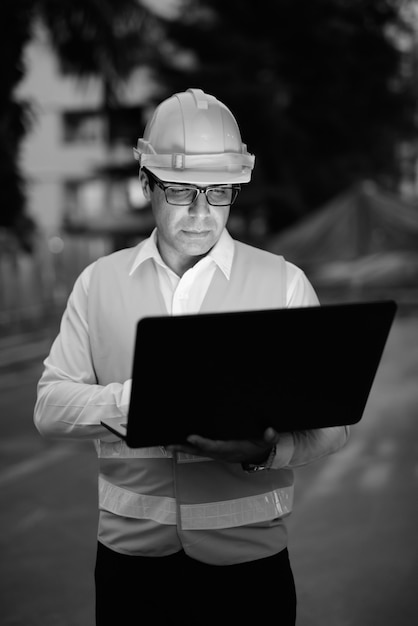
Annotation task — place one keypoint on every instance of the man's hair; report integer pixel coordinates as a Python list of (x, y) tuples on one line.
[(151, 181)]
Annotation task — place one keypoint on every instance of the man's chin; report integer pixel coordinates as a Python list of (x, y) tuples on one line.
[(197, 242)]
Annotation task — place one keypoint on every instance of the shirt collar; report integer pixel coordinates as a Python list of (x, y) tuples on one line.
[(222, 253)]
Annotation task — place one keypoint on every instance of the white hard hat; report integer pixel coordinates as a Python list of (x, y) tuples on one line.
[(193, 138)]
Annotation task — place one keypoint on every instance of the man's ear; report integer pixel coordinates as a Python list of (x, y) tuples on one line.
[(143, 179)]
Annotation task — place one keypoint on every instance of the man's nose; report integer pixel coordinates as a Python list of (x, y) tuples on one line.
[(200, 206)]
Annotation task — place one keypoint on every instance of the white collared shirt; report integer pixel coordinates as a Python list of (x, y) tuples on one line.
[(185, 294)]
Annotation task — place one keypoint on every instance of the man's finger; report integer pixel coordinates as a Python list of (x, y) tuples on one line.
[(271, 436)]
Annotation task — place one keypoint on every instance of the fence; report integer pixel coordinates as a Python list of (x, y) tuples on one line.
[(34, 287)]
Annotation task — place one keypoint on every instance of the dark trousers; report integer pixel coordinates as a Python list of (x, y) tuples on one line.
[(144, 590)]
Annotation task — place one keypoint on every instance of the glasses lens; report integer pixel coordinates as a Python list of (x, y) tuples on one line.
[(220, 196), (180, 195)]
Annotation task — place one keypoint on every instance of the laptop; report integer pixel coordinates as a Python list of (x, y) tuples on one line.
[(231, 375)]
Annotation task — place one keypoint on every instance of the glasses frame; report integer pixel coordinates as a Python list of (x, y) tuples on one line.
[(235, 188)]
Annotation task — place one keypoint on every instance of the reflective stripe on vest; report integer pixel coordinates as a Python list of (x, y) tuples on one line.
[(129, 504), (119, 449), (214, 515)]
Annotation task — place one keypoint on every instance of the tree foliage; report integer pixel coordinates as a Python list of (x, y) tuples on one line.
[(321, 89), (14, 33), (105, 39)]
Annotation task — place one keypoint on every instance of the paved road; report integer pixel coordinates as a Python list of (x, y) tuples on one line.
[(352, 536), (47, 517)]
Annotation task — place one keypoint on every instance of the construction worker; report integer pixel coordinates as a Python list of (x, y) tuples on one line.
[(194, 532)]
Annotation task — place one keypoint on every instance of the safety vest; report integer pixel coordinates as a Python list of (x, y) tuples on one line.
[(150, 502)]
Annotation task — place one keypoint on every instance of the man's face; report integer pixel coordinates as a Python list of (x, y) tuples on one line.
[(185, 233)]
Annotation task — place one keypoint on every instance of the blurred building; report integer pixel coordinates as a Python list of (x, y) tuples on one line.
[(77, 158)]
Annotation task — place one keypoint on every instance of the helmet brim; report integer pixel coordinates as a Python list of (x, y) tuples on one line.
[(201, 177)]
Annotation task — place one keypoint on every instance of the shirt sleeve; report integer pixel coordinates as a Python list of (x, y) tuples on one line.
[(299, 289), (69, 402)]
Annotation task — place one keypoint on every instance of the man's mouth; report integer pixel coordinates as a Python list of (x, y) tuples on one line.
[(196, 233)]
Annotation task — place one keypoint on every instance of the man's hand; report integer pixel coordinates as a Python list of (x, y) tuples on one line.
[(234, 451)]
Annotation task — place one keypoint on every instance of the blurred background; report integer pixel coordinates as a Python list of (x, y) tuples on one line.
[(326, 96)]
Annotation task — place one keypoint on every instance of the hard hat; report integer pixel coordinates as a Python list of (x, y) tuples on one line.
[(193, 138)]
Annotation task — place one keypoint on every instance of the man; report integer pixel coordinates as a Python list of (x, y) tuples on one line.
[(190, 532)]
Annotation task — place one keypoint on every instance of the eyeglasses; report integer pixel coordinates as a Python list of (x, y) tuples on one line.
[(183, 195)]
